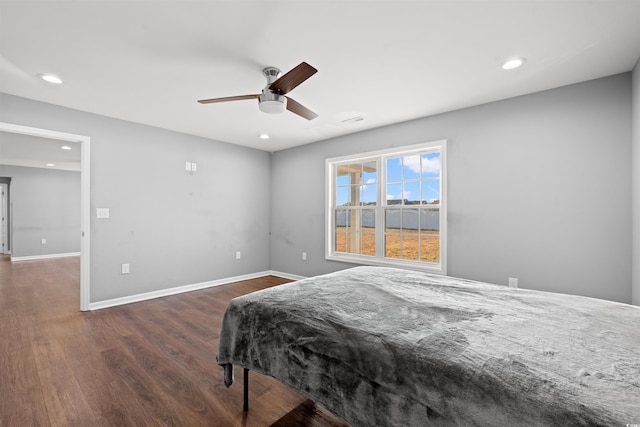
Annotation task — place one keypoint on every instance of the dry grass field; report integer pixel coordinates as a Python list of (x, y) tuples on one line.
[(421, 245)]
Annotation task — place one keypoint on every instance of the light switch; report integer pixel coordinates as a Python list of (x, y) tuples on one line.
[(188, 166), (102, 213), (194, 167)]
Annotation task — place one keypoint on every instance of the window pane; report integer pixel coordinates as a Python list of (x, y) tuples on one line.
[(410, 246), (354, 220), (354, 243), (342, 175), (430, 221), (411, 193), (368, 232), (392, 246), (394, 169), (429, 248), (369, 173), (410, 222), (341, 218), (394, 194), (411, 169), (431, 165), (368, 244), (343, 196), (340, 240), (393, 220), (354, 195), (368, 220), (430, 191), (369, 194)]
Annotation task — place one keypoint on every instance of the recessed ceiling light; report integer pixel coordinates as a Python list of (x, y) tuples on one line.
[(264, 136), (50, 165), (512, 63), (66, 147), (51, 78)]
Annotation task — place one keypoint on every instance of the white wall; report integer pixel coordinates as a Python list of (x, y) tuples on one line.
[(635, 160), (174, 228), (539, 189), (45, 204)]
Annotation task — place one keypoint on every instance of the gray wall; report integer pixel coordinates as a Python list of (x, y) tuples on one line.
[(636, 184), (539, 189), (174, 228), (45, 204)]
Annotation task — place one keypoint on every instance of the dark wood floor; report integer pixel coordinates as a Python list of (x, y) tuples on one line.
[(143, 364)]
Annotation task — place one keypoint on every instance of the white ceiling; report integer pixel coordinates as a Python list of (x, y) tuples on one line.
[(386, 61), (36, 152)]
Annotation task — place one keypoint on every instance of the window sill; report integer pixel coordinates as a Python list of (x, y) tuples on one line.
[(386, 262)]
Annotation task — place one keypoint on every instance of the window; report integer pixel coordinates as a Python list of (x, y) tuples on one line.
[(388, 207)]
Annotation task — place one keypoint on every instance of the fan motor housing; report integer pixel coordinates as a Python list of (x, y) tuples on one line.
[(272, 103)]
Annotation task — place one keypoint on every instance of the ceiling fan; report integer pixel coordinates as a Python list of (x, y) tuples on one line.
[(273, 99)]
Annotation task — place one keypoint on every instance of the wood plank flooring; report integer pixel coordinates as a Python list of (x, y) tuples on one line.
[(145, 364)]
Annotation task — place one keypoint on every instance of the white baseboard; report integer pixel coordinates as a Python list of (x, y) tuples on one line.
[(30, 258), (286, 275), (186, 288)]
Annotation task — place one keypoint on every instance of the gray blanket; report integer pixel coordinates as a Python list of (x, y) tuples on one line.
[(387, 347)]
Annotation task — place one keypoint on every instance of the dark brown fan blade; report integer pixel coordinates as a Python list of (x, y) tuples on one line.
[(299, 109), (228, 98), (293, 78)]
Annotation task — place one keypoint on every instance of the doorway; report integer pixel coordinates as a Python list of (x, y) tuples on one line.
[(4, 219), (85, 215)]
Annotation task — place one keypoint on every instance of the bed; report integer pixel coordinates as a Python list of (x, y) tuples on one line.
[(388, 347)]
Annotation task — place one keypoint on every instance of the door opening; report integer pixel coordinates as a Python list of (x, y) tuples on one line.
[(84, 143), (4, 219)]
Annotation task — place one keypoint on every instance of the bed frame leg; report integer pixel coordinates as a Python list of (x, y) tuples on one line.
[(245, 406)]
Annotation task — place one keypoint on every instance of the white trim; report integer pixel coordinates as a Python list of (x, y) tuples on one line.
[(33, 257), (186, 288), (388, 262), (85, 197), (287, 275)]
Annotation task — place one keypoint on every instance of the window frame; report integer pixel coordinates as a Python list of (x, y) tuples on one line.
[(381, 156)]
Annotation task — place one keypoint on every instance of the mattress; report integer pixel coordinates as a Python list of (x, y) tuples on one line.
[(387, 347)]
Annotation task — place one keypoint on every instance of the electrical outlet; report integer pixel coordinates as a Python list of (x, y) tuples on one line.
[(43, 241), (125, 268), (194, 167), (513, 282), (102, 213), (304, 256), (238, 255)]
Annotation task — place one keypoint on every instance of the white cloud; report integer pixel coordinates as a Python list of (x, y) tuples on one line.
[(370, 181), (431, 165), (413, 163), (390, 197), (428, 165)]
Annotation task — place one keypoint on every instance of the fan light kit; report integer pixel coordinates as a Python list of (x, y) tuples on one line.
[(272, 100)]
